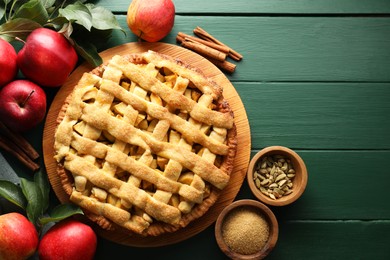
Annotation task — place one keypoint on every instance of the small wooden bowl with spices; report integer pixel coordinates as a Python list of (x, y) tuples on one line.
[(277, 176), (246, 229)]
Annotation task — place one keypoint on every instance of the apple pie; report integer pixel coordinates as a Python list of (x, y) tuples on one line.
[(145, 143)]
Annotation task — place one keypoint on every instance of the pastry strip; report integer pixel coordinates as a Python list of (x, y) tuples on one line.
[(173, 98), (125, 191), (141, 141), (129, 134), (161, 113)]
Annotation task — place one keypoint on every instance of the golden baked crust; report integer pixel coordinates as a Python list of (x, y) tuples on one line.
[(145, 144)]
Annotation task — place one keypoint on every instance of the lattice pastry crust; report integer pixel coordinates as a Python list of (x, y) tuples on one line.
[(145, 144)]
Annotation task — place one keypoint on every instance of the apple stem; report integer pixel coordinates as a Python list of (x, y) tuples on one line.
[(27, 98), (140, 35), (20, 40)]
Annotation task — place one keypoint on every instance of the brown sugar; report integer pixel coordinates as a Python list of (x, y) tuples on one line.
[(245, 230)]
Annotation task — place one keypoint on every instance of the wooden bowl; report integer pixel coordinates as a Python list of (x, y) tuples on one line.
[(298, 182), (256, 208)]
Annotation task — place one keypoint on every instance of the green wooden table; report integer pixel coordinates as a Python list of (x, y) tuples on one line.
[(316, 78)]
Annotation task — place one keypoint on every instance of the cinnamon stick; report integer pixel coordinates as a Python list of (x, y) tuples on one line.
[(18, 154), (201, 33), (19, 140), (19, 147), (204, 50), (185, 37), (224, 65)]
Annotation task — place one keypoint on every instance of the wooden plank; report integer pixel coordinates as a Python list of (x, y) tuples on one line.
[(342, 185), (333, 240), (297, 240), (318, 115), (295, 48), (269, 6)]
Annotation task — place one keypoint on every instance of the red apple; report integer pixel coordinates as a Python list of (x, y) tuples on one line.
[(151, 20), (68, 239), (18, 237), (47, 58), (22, 105), (8, 65)]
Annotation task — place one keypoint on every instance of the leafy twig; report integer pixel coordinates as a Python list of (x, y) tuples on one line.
[(33, 197)]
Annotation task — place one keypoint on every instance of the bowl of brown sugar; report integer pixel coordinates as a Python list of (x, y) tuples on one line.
[(246, 229)]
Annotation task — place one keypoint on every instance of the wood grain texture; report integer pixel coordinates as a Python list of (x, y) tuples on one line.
[(269, 6), (342, 185), (332, 59), (295, 48), (297, 240), (318, 115), (333, 240), (243, 140)]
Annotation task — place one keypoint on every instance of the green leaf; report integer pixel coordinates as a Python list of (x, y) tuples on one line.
[(12, 193), (78, 13), (2, 11), (48, 3), (66, 30), (57, 23), (19, 27), (61, 212), (33, 194), (33, 10), (102, 18), (88, 51), (41, 180)]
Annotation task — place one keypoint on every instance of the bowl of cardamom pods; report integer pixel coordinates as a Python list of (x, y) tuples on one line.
[(277, 175)]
